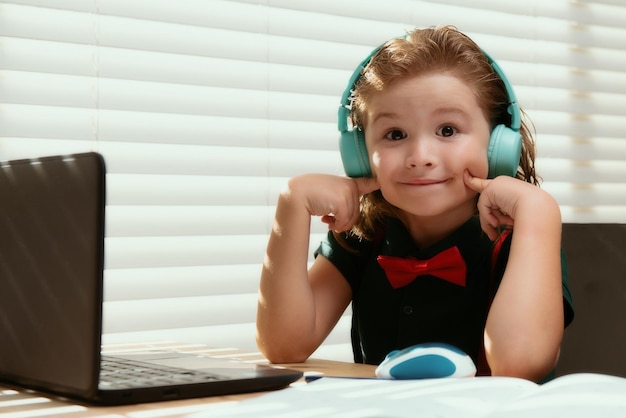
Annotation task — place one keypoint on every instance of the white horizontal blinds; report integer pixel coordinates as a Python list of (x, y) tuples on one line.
[(203, 109), (199, 131)]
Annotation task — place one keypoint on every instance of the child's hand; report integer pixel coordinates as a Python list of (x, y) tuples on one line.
[(499, 200), (334, 198), (525, 323)]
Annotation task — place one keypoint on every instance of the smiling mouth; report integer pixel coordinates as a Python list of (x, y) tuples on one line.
[(423, 182)]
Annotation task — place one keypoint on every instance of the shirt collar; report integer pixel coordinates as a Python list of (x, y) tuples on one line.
[(399, 243)]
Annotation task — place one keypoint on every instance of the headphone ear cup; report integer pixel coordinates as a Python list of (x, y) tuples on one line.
[(504, 152), (354, 153)]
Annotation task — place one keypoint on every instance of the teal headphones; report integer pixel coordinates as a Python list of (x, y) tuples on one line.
[(505, 142)]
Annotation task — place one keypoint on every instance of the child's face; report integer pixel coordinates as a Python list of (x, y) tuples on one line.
[(422, 133)]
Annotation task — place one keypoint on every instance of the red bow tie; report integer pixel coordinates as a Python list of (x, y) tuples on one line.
[(448, 265)]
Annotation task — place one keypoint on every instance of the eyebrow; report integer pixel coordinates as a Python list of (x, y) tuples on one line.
[(389, 115), (440, 111), (453, 110)]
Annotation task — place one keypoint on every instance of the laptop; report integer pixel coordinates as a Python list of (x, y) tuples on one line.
[(52, 223)]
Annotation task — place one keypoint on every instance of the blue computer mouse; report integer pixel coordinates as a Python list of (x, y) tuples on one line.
[(426, 361)]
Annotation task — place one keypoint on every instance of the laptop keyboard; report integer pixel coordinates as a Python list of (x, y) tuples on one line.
[(118, 373)]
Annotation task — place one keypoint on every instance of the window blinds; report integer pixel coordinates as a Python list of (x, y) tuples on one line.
[(203, 109)]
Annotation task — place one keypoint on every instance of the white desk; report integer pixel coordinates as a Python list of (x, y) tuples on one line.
[(21, 403)]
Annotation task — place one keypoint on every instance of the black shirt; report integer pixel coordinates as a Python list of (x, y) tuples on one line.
[(429, 309)]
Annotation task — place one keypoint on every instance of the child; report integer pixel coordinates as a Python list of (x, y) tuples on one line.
[(435, 124)]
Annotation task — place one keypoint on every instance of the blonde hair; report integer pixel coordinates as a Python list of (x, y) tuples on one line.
[(441, 49)]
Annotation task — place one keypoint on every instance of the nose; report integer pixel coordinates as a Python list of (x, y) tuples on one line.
[(420, 153)]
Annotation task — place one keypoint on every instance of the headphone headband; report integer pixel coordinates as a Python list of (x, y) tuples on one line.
[(345, 105), (343, 119), (513, 107)]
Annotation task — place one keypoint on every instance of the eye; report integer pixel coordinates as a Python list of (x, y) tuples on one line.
[(395, 135), (446, 131)]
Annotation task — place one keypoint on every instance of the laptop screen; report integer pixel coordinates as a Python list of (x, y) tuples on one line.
[(51, 261)]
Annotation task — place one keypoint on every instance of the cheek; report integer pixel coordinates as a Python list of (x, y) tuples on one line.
[(377, 162), (475, 160), (383, 164), (479, 166)]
